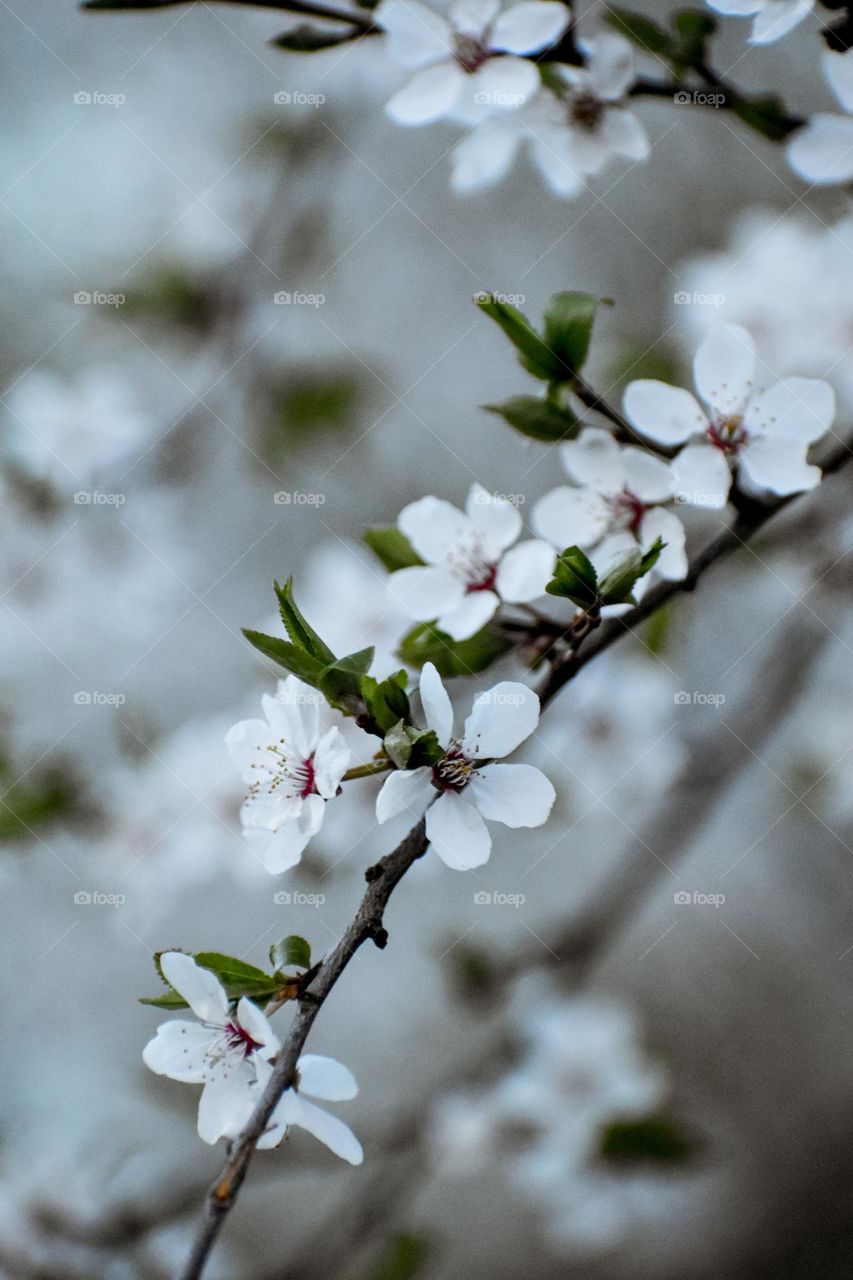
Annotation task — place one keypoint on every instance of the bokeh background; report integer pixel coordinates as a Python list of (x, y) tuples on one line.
[(157, 400)]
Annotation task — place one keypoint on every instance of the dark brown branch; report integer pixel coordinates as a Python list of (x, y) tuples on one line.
[(308, 8)]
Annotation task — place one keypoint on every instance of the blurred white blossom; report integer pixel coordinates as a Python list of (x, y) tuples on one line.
[(772, 19), (822, 151)]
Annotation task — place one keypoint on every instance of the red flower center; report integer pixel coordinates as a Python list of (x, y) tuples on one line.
[(239, 1038), (630, 510), (309, 774), (728, 434)]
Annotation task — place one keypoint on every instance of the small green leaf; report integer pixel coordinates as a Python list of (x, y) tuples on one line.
[(410, 747), (169, 1000), (300, 632), (387, 701), (536, 418), (569, 318), (654, 1138), (693, 29), (425, 643), (766, 116), (575, 578), (617, 586), (341, 681), (398, 745), (308, 39), (532, 351), (403, 1258), (237, 977), (392, 547), (291, 952), (287, 655), (640, 31)]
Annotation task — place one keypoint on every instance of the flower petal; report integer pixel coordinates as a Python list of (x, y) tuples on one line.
[(496, 520), (254, 1021), (500, 719), (247, 743), (471, 613), (838, 69), (724, 368), (434, 527), (294, 714), (667, 415), (435, 700), (457, 832), (329, 1130), (178, 1051), (822, 151), (778, 466), (702, 476), (530, 26), (610, 65), (225, 1105), (596, 460), (797, 408), (326, 1078), (777, 18), (525, 571), (287, 845), (485, 156), (424, 592), (404, 790), (331, 761), (570, 517), (201, 989), (623, 135), (416, 34), (471, 17), (515, 794), (553, 156), (672, 562), (737, 8), (428, 96), (646, 476), (499, 85)]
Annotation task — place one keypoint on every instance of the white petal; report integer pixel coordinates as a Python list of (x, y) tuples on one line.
[(571, 517), (838, 69), (702, 476), (646, 476), (667, 415), (525, 571), (471, 613), (530, 26), (610, 65), (247, 742), (515, 794), (287, 845), (201, 989), (225, 1105), (326, 1078), (294, 714), (329, 1130), (500, 719), (428, 96), (424, 592), (798, 408), (595, 459), (436, 703), (623, 135), (724, 368), (331, 761), (254, 1021), (417, 35), (499, 85), (457, 833), (408, 790), (737, 8), (822, 151), (777, 18), (484, 157), (471, 17), (434, 527), (672, 562), (496, 520), (553, 156), (778, 466), (179, 1051)]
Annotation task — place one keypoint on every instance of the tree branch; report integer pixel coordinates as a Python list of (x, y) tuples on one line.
[(384, 877)]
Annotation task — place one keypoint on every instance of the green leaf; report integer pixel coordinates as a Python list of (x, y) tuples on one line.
[(532, 350), (398, 745), (300, 632), (291, 952), (169, 1000), (392, 547), (341, 681), (575, 578), (693, 29), (640, 31), (287, 655), (308, 39), (617, 586), (766, 116), (569, 318), (410, 747), (387, 701), (402, 1260), (425, 643), (538, 419), (237, 977), (653, 1138)]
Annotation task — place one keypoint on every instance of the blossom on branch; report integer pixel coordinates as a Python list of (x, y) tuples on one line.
[(294, 762), (465, 786), (323, 1078), (772, 19), (763, 435), (471, 564), (822, 151)]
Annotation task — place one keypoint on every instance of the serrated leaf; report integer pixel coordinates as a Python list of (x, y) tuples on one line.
[(392, 547), (308, 39), (568, 322), (387, 701), (291, 952), (536, 418), (169, 1000), (575, 578), (617, 586), (641, 31), (288, 656), (341, 682), (296, 626), (230, 970), (532, 350), (425, 643)]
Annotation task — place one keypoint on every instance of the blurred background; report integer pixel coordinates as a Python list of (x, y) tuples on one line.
[(671, 957)]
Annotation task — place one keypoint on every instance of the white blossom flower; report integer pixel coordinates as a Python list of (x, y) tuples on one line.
[(468, 570), (616, 491), (225, 1050), (468, 63), (465, 786), (772, 19), (294, 763), (323, 1078), (822, 151), (765, 434), (571, 133)]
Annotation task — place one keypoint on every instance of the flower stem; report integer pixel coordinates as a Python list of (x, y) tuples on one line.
[(368, 770)]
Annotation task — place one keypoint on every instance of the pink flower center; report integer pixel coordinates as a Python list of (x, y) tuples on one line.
[(309, 774), (239, 1038), (629, 510), (469, 52), (486, 583), (453, 771), (728, 434)]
